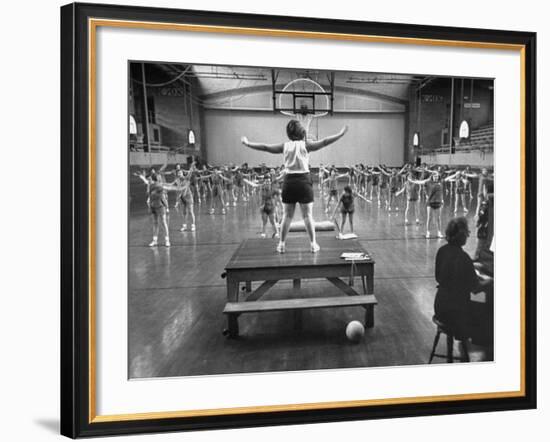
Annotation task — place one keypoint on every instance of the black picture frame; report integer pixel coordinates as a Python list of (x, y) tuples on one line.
[(77, 250)]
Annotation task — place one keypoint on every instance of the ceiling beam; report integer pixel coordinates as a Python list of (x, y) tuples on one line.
[(237, 91), (371, 94), (268, 88)]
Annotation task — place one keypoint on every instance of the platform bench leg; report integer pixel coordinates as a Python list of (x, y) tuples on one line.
[(369, 316), (233, 325)]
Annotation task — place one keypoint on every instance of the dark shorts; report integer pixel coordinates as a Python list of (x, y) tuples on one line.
[(268, 208), (216, 190), (413, 199), (394, 190), (187, 200), (436, 205), (350, 211), (297, 188), (158, 211), (333, 192)]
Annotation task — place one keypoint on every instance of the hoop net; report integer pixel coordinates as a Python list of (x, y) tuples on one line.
[(305, 120)]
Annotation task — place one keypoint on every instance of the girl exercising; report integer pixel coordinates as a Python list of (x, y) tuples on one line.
[(434, 202), (411, 190)]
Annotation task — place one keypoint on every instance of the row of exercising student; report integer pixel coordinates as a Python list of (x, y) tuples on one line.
[(220, 187)]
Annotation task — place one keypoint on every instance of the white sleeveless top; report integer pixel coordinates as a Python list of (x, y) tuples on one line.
[(296, 157)]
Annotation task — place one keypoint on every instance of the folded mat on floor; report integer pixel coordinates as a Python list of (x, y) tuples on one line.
[(320, 226)]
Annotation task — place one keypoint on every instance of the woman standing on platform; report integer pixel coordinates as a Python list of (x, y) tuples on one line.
[(297, 186)]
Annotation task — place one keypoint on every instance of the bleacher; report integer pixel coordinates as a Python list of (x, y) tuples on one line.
[(481, 140)]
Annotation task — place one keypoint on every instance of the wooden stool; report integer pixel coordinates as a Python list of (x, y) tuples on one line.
[(441, 328)]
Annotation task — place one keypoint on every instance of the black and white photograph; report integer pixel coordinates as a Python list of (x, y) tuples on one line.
[(284, 219)]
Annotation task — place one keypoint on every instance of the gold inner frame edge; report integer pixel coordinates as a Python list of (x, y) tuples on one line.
[(93, 24)]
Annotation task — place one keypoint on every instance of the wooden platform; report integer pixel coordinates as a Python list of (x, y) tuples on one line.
[(256, 253), (257, 260)]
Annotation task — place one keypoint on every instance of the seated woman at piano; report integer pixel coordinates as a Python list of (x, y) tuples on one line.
[(457, 279)]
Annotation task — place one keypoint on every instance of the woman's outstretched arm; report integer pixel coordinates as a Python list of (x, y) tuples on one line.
[(251, 183), (419, 181), (452, 177), (270, 148), (403, 169), (142, 177), (384, 171), (312, 146)]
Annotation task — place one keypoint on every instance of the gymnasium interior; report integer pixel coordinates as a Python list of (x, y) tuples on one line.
[(182, 114)]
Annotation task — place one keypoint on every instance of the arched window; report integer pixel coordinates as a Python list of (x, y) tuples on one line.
[(416, 139), (464, 131), (191, 137), (133, 125)]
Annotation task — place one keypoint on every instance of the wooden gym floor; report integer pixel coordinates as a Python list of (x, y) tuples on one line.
[(176, 297)]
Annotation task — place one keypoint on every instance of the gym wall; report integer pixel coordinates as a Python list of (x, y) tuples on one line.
[(372, 138)]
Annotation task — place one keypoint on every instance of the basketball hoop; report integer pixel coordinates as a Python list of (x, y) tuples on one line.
[(310, 89), (304, 99)]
